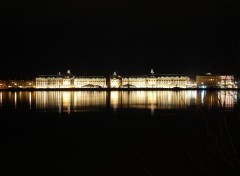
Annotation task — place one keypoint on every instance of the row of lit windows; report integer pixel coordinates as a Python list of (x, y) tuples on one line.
[(52, 83), (88, 81), (154, 80), (52, 80), (181, 77)]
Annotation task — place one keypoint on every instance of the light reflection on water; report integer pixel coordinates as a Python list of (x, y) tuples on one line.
[(75, 101), (67, 101), (0, 99)]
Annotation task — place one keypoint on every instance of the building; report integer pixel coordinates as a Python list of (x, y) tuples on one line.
[(150, 81), (134, 82), (55, 81), (13, 84), (192, 84), (27, 84), (2, 84), (69, 81), (20, 84), (207, 81), (90, 82), (215, 81), (157, 81), (115, 81), (227, 81)]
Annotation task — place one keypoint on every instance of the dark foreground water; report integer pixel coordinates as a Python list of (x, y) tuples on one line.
[(120, 133)]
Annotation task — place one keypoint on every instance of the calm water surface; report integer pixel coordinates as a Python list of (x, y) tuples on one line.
[(120, 133), (77, 101)]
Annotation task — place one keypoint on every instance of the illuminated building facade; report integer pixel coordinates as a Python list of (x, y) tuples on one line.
[(150, 81), (20, 84), (192, 84), (227, 81), (207, 81), (134, 82), (28, 84), (69, 81), (90, 82), (2, 84), (157, 81), (54, 81), (215, 81), (115, 81), (161, 81), (13, 83)]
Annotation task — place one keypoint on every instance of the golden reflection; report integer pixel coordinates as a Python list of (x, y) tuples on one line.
[(227, 99), (59, 96), (89, 100), (67, 101), (156, 99), (208, 99), (172, 99), (1, 99), (152, 101), (74, 101), (15, 99), (30, 100), (114, 99)]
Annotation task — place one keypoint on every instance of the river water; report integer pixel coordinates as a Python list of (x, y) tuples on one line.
[(120, 132)]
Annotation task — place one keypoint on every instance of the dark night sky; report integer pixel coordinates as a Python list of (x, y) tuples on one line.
[(131, 37)]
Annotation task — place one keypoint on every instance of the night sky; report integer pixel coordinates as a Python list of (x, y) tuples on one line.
[(92, 37)]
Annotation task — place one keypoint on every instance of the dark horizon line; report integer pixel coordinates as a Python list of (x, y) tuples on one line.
[(112, 89)]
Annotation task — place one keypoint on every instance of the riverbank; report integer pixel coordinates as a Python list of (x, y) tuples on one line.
[(114, 89)]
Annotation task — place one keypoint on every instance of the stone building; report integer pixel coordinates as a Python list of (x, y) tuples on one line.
[(90, 82), (69, 81), (215, 81), (115, 81), (150, 81)]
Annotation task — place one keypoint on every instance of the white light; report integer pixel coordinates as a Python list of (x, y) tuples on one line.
[(152, 72)]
